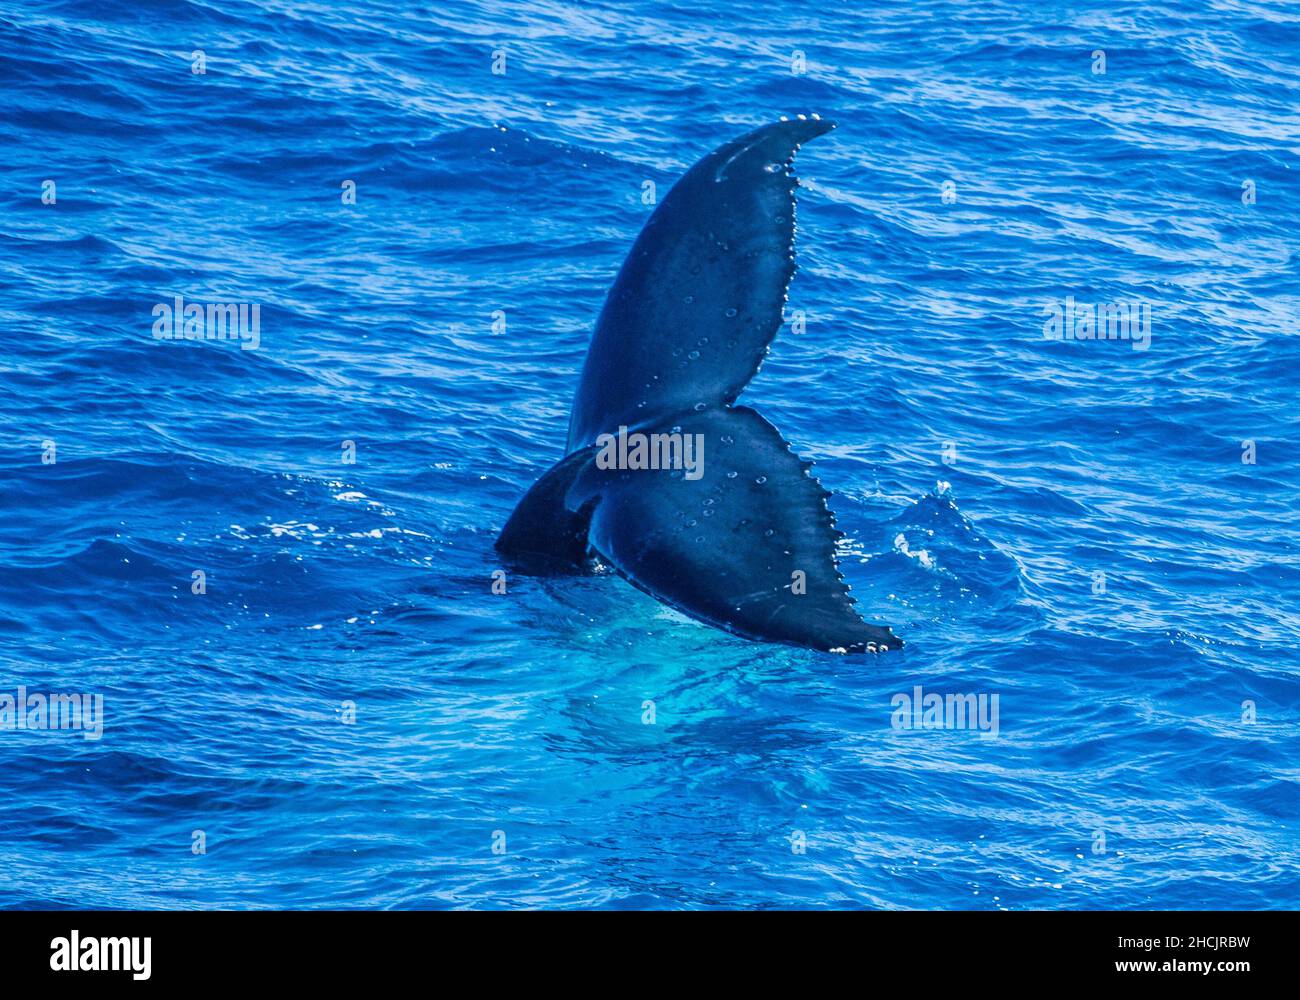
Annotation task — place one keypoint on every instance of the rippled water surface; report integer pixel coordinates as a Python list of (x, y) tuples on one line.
[(1075, 527)]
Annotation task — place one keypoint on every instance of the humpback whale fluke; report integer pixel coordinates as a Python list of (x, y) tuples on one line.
[(742, 539)]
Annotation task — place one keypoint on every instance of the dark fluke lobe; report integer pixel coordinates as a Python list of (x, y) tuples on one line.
[(700, 296)]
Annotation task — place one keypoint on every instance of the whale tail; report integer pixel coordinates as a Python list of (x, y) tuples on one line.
[(699, 503)]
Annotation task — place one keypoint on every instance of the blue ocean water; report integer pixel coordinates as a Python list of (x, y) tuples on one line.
[(1103, 537)]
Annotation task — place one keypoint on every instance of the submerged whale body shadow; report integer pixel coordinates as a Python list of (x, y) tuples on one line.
[(698, 502)]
